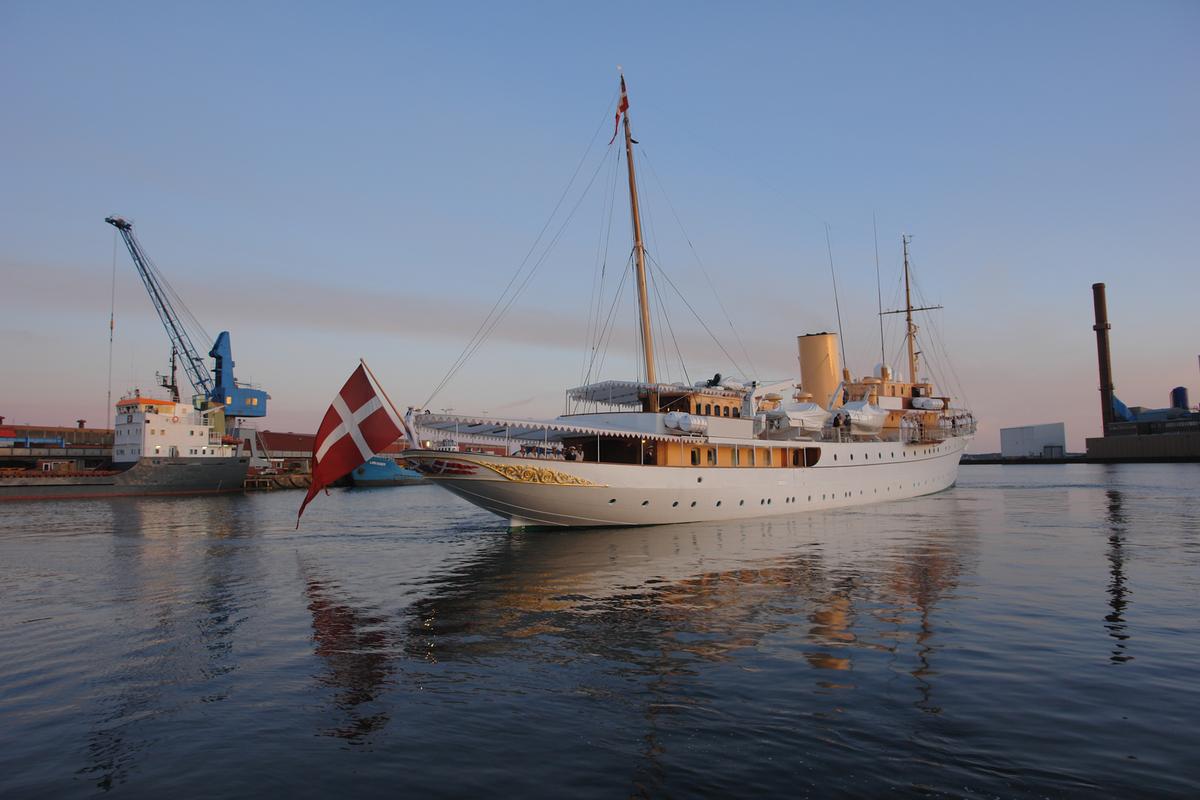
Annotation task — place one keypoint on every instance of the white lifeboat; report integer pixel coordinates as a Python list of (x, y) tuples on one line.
[(865, 419), (928, 403), (806, 417)]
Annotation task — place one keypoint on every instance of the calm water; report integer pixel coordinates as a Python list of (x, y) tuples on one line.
[(1033, 632)]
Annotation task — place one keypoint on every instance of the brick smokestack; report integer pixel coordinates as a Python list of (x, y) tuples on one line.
[(1102, 354)]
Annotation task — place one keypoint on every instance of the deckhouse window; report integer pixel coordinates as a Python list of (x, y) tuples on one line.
[(737, 456), (695, 456), (708, 409), (712, 456)]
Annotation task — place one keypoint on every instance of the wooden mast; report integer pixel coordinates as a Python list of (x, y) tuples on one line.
[(639, 251), (908, 309), (908, 316)]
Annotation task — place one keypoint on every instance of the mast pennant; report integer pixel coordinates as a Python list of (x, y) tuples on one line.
[(622, 107)]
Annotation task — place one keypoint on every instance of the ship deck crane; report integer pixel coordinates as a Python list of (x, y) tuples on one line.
[(219, 386)]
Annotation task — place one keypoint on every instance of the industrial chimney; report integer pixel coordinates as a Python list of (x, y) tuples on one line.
[(1101, 328)]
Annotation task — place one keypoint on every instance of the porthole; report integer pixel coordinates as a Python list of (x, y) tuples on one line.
[(645, 502), (741, 502), (768, 501), (674, 504), (699, 480), (762, 502), (852, 456), (835, 456), (610, 502), (718, 504), (810, 498), (693, 504)]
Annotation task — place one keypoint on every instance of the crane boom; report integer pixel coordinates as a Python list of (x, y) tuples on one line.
[(193, 365), (220, 388)]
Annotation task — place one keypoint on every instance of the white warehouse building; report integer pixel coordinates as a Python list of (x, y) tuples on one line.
[(1034, 441)]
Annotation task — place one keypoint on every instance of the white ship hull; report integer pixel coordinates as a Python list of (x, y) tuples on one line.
[(554, 493)]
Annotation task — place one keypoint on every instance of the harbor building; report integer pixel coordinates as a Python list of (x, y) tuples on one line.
[(1034, 441)]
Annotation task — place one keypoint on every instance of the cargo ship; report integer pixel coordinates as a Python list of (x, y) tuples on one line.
[(160, 447)]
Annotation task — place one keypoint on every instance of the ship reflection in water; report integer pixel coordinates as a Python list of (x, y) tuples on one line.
[(354, 647), (661, 607), (978, 642)]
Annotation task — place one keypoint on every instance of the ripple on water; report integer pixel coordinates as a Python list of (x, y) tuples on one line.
[(1032, 632)]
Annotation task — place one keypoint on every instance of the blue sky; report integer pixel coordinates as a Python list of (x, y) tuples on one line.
[(362, 182)]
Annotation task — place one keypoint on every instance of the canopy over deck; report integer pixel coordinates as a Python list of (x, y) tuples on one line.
[(492, 429), (630, 393)]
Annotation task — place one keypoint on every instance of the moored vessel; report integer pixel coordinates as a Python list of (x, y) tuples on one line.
[(382, 470), (649, 452), (160, 447)]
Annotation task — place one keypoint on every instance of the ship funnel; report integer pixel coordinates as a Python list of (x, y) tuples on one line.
[(820, 371), (1102, 355)]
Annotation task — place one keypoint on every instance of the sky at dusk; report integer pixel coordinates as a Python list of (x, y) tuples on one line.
[(363, 180)]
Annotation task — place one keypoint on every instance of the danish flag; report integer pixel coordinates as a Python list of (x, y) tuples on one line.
[(358, 425), (622, 107)]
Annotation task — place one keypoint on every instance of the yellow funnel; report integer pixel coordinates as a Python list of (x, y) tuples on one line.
[(820, 372)]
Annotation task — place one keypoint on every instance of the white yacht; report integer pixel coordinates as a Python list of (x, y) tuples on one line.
[(648, 452)]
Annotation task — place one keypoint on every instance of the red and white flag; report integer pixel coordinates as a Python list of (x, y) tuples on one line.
[(622, 107), (359, 424)]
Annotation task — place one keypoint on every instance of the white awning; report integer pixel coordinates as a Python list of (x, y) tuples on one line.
[(495, 430), (629, 393)]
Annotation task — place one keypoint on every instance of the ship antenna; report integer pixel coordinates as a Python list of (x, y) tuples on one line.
[(639, 250), (879, 293), (837, 306)]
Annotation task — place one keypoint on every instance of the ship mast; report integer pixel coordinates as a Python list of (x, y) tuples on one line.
[(911, 330), (639, 251), (908, 309)]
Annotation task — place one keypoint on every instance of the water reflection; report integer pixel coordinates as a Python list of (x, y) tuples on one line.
[(355, 647), (1114, 621), (658, 603), (179, 590)]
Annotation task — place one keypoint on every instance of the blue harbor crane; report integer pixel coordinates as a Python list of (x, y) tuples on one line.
[(217, 387)]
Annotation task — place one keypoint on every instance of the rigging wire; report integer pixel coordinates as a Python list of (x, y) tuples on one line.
[(938, 342), (606, 333), (112, 320), (670, 329), (524, 283), (837, 306), (699, 318), (492, 317), (596, 302), (696, 255)]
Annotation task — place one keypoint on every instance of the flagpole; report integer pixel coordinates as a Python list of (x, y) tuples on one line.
[(379, 386)]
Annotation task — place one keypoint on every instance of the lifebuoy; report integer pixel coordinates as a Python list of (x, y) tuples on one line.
[(174, 419)]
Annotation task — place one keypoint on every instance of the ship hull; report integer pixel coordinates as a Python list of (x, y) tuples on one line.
[(552, 493), (161, 476)]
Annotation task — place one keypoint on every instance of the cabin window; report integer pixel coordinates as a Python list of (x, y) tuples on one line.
[(695, 456), (737, 456), (712, 456), (725, 411), (797, 461), (737, 412), (708, 409)]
